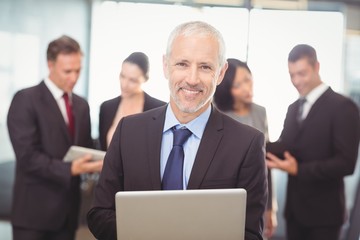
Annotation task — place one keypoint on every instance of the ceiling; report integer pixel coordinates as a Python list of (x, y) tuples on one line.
[(300, 4), (274, 4)]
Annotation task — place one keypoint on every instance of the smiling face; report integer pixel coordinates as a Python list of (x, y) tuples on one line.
[(193, 71), (64, 71), (304, 76)]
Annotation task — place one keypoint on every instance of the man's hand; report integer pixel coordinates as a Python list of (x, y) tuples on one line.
[(289, 164), (85, 165)]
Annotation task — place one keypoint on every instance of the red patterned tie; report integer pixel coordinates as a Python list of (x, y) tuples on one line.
[(70, 115)]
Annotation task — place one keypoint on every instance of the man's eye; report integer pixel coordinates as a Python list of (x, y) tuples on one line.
[(206, 68), (181, 64)]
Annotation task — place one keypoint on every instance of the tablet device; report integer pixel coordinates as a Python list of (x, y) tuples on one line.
[(276, 148), (75, 152), (181, 214)]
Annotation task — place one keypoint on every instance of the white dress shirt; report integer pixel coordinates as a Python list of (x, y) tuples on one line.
[(311, 98), (58, 95)]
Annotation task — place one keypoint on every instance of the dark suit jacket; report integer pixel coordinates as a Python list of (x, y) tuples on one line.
[(326, 147), (230, 155), (45, 193), (108, 111)]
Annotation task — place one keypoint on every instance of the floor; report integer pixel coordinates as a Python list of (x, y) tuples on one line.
[(83, 232), (6, 185)]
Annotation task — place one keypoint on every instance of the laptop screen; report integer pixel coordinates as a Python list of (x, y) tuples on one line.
[(181, 214)]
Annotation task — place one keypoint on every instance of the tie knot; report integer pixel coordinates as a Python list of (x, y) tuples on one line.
[(300, 113), (180, 136), (302, 100), (66, 96)]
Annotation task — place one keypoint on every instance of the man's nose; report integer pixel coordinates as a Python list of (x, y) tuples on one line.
[(193, 76), (74, 77)]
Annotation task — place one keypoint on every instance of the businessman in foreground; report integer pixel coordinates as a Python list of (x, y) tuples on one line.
[(215, 150)]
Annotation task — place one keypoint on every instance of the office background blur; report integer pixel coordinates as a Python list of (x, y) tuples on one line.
[(261, 32)]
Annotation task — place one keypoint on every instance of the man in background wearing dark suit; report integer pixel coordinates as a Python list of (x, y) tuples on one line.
[(43, 122), (219, 153), (321, 138)]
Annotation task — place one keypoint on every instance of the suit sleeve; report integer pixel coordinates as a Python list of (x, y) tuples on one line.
[(25, 135), (102, 131), (253, 177), (344, 144), (271, 195), (101, 217)]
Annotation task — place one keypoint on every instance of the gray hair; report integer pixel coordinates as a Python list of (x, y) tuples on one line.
[(197, 28)]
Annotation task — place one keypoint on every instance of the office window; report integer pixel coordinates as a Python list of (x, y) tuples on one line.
[(18, 68)]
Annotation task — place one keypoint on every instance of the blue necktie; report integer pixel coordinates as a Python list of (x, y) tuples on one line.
[(173, 174)]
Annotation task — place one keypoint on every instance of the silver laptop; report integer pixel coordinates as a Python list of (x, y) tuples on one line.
[(186, 215)]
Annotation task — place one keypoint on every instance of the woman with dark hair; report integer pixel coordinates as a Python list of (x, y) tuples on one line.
[(234, 96), (134, 72)]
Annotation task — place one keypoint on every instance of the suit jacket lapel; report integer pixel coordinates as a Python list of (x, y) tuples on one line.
[(317, 105), (154, 135), (76, 112), (209, 143), (52, 110), (315, 109)]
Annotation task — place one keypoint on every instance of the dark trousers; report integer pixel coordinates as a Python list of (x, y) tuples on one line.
[(30, 234), (297, 231)]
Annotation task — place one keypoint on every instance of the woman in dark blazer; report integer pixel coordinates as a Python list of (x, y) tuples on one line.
[(234, 97), (134, 72)]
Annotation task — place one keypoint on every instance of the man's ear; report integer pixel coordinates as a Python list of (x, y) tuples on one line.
[(317, 67), (222, 73), (50, 64)]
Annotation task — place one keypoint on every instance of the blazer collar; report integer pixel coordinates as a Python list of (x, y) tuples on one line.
[(316, 107), (52, 110), (154, 135), (209, 143), (314, 110), (205, 154)]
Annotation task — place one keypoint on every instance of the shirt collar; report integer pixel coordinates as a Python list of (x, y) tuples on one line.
[(312, 96), (196, 126), (55, 91)]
